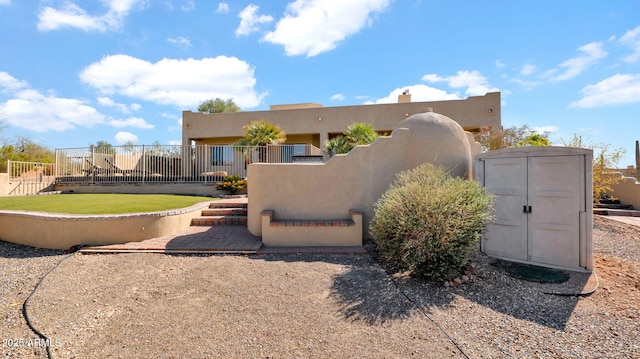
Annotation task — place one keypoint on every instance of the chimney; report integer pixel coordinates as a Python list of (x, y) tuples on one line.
[(637, 156), (405, 97)]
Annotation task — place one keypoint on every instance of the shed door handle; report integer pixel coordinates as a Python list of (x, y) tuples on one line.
[(526, 209)]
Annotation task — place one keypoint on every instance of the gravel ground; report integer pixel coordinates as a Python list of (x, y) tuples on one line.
[(278, 306)]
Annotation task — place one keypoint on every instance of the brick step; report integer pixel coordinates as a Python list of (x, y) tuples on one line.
[(228, 205), (224, 212), (219, 221)]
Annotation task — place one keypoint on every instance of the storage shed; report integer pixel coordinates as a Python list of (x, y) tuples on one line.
[(543, 209)]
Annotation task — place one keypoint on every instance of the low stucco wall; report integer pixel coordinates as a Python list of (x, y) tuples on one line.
[(357, 179), (193, 189), (627, 191), (62, 231), (4, 184)]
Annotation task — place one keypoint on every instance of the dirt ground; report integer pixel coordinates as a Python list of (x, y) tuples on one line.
[(315, 306)]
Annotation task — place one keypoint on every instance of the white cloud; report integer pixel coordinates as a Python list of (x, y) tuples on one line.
[(180, 41), (5, 2), (527, 70), (311, 27), (632, 39), (72, 15), (9, 83), (476, 84), (35, 111), (591, 53), (108, 102), (338, 97), (418, 93), (615, 90), (550, 129), (528, 85), (131, 122), (222, 8), (125, 137), (184, 83), (500, 64), (250, 20)]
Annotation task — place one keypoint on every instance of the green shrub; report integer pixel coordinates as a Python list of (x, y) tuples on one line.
[(232, 184), (428, 222)]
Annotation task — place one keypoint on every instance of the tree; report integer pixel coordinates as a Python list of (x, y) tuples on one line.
[(25, 150), (356, 134), (218, 106), (496, 138), (605, 159), (535, 139), (262, 133), (103, 147)]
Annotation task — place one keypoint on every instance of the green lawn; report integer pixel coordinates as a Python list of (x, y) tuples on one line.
[(99, 203)]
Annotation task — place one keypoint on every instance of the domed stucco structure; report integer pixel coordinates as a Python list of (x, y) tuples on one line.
[(437, 139), (349, 183)]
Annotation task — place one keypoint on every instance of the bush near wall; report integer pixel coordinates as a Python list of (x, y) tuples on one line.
[(428, 222)]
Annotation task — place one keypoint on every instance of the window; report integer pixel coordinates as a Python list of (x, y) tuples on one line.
[(221, 155), (288, 151)]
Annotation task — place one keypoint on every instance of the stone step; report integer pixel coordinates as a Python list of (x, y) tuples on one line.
[(612, 206), (219, 221), (224, 212), (228, 205)]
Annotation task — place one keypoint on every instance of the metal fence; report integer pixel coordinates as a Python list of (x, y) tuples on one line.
[(167, 163), (29, 177)]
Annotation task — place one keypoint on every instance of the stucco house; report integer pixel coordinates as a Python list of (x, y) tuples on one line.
[(314, 124)]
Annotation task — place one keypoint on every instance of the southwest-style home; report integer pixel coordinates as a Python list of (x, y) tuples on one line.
[(313, 124)]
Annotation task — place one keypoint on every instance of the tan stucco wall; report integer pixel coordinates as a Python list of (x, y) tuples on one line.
[(357, 179), (184, 189), (627, 191), (4, 184), (59, 231), (298, 235), (471, 113)]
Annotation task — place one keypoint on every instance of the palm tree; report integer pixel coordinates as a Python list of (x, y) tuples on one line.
[(361, 134), (261, 133), (337, 145), (356, 134)]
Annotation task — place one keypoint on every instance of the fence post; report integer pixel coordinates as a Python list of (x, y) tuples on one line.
[(144, 164)]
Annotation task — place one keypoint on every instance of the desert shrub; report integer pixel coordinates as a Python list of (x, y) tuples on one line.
[(232, 184), (428, 222)]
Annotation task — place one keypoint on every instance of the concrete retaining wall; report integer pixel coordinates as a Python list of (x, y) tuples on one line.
[(62, 231)]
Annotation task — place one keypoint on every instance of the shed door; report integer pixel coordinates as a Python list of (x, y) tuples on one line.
[(555, 195), (506, 236)]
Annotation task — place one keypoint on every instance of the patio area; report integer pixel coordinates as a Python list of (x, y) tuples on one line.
[(215, 239)]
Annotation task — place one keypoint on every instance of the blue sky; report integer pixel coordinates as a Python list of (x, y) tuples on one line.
[(76, 72)]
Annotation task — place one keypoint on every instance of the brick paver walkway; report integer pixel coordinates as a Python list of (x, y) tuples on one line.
[(228, 239), (214, 239)]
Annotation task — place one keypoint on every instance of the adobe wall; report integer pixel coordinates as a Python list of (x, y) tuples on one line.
[(191, 189), (4, 184), (355, 181), (627, 191)]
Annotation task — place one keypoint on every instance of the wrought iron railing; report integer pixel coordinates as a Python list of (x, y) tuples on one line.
[(167, 163), (29, 177)]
